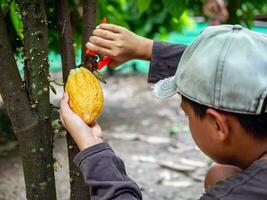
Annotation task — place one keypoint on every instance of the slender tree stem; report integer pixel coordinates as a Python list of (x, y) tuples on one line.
[(79, 191), (89, 22)]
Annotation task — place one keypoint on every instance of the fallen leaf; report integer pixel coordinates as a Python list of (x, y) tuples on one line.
[(177, 183), (176, 167), (193, 163), (145, 159)]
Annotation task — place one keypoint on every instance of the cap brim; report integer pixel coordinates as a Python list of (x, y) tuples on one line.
[(165, 88)]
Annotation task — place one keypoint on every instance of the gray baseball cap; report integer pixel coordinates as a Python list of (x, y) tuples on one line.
[(224, 68)]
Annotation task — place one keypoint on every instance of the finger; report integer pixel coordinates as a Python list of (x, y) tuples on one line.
[(62, 121), (97, 131), (105, 34), (64, 106), (61, 117), (111, 27), (96, 126), (66, 97), (113, 65), (99, 50), (108, 44)]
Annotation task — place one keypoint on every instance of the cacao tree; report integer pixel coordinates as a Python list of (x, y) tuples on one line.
[(78, 189), (31, 25), (27, 99)]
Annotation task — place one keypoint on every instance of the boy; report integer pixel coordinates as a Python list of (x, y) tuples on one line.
[(222, 78)]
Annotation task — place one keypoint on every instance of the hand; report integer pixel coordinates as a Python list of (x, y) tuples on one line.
[(83, 135), (120, 44)]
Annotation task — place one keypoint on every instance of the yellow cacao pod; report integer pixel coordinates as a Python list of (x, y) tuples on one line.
[(86, 95)]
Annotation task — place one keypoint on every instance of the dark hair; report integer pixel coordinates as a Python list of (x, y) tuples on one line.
[(255, 124)]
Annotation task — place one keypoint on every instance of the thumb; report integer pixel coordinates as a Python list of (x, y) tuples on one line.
[(66, 97), (64, 104)]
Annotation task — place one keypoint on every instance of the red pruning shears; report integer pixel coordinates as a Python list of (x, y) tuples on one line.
[(104, 60)]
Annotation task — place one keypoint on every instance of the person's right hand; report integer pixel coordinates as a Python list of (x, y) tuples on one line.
[(120, 44)]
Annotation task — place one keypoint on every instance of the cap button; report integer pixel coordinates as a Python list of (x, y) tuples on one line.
[(237, 27)]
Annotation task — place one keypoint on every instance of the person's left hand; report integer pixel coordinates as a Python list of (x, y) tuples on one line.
[(83, 135)]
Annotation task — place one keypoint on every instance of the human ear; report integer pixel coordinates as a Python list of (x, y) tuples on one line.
[(220, 123)]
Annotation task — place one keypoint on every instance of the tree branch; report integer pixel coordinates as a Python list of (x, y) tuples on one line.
[(79, 191), (89, 22)]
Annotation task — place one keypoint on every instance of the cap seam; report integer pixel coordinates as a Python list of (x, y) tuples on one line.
[(215, 77), (260, 106), (219, 70), (223, 66)]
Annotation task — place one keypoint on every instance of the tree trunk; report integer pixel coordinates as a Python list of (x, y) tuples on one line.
[(79, 191), (37, 86), (12, 87), (89, 22)]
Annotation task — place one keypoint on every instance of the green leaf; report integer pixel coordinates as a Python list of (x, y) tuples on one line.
[(2, 2), (58, 82), (186, 20), (16, 19), (176, 8), (143, 5), (53, 89), (4, 6)]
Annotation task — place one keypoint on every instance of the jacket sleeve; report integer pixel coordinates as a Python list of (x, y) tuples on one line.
[(164, 60), (105, 173)]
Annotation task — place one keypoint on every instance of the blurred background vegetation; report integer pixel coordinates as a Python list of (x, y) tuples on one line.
[(148, 18), (169, 20), (157, 19)]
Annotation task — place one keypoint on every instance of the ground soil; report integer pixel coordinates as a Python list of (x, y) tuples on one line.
[(144, 131)]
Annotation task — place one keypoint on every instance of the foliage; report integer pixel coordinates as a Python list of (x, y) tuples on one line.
[(144, 17), (244, 11)]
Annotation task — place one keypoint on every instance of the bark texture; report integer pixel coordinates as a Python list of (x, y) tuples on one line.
[(36, 77), (89, 22), (79, 191), (12, 87)]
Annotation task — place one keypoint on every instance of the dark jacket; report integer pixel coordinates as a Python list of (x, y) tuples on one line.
[(106, 174)]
